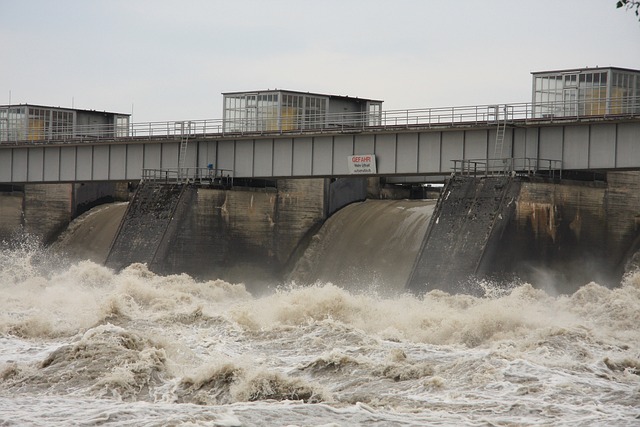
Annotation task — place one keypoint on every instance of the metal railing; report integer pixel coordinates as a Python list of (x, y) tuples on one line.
[(342, 122), (207, 176), (508, 166)]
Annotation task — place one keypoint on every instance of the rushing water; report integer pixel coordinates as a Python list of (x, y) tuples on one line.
[(83, 345)]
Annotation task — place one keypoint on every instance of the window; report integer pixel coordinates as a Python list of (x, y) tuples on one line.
[(16, 125), (548, 95), (237, 117), (315, 112), (122, 126), (270, 111), (375, 114), (267, 112), (625, 93), (291, 111), (61, 124), (586, 92), (39, 121)]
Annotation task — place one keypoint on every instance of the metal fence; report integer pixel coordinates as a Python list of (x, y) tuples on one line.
[(347, 122)]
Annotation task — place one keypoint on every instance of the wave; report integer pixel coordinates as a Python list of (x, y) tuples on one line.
[(106, 361), (81, 295), (230, 382), (84, 330)]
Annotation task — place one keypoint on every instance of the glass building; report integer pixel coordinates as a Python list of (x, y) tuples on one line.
[(26, 122), (586, 92), (282, 110)]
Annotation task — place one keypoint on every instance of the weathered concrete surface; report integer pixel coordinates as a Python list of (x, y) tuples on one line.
[(89, 195), (344, 191), (240, 235), (11, 219), (623, 214), (557, 236), (301, 210), (45, 210), (221, 234), (564, 236)]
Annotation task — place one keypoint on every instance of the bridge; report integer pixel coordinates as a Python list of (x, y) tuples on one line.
[(431, 142)]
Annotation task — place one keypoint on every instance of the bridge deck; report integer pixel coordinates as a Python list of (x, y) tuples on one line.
[(405, 143)]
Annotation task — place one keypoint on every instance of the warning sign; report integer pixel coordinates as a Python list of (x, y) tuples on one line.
[(362, 164)]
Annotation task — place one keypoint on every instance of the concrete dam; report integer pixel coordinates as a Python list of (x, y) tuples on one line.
[(557, 235)]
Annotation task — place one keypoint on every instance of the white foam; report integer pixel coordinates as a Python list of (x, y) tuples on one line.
[(82, 342)]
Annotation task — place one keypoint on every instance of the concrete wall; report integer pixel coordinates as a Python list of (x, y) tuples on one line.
[(48, 209), (568, 235), (240, 235), (343, 191), (11, 219), (623, 214), (88, 195), (45, 210), (300, 211), (557, 236)]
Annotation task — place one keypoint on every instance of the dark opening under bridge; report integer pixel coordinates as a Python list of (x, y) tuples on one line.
[(430, 142)]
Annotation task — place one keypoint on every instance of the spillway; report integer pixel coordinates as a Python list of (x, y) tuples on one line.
[(555, 235), (90, 235), (367, 245)]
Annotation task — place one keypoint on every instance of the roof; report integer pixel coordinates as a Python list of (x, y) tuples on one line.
[(351, 98), (577, 70), (63, 108)]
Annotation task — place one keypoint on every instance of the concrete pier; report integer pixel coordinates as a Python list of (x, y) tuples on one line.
[(468, 221), (249, 235), (558, 235)]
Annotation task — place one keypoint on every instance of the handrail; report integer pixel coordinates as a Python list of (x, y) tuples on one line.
[(341, 122), (508, 166), (208, 175)]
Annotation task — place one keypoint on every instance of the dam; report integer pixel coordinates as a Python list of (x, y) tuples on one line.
[(543, 192), (556, 235)]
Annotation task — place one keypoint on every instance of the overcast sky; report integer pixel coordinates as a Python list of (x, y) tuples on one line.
[(171, 60)]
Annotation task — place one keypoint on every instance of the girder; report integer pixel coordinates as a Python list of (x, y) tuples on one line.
[(405, 151)]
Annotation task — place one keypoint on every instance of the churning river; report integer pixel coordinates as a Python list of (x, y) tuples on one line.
[(83, 345)]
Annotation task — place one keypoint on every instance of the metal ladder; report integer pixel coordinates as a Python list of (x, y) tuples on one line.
[(500, 133), (185, 131)]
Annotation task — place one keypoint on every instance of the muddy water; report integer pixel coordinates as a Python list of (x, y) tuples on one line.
[(83, 345)]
